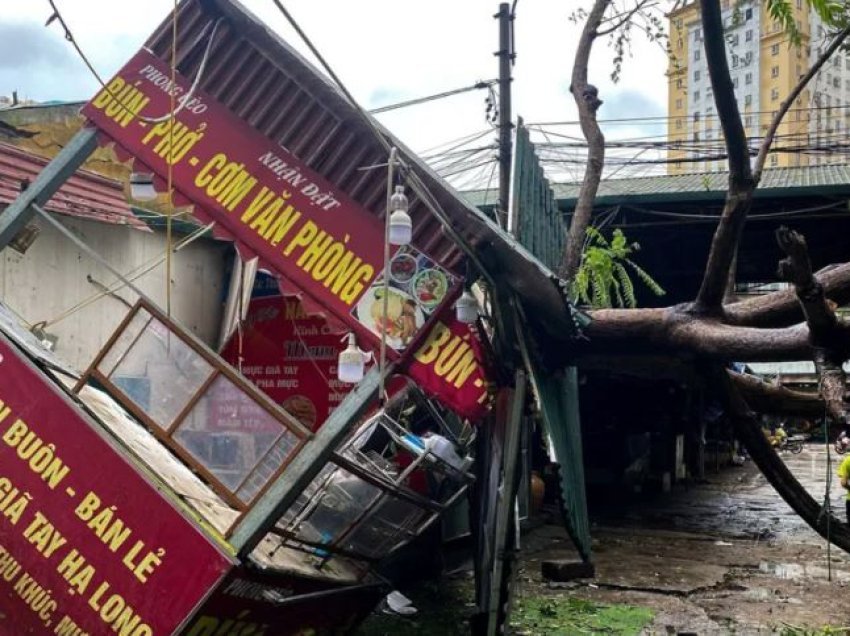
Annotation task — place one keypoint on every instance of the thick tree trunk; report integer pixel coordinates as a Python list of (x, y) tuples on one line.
[(587, 102)]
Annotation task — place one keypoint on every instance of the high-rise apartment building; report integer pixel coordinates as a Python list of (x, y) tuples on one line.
[(765, 67)]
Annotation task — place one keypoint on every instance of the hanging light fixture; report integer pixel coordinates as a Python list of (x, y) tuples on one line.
[(351, 362), (141, 186), (400, 227), (466, 307)]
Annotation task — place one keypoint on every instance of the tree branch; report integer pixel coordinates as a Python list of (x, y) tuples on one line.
[(622, 18), (677, 331), (748, 430), (588, 102), (724, 245), (829, 343), (776, 400), (783, 108), (781, 309)]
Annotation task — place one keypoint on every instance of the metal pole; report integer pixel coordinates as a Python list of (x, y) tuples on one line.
[(45, 185), (385, 309), (505, 61)]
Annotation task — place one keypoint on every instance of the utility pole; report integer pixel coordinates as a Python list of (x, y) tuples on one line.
[(506, 58)]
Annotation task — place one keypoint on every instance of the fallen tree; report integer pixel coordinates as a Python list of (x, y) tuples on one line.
[(708, 333)]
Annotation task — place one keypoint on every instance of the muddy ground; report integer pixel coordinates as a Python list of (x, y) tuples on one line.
[(727, 556)]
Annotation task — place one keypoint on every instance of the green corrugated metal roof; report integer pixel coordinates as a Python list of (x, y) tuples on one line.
[(834, 179)]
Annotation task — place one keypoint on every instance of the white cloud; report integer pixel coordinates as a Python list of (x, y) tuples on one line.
[(384, 50)]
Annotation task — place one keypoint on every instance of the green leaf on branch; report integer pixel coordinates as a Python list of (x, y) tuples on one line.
[(604, 278)]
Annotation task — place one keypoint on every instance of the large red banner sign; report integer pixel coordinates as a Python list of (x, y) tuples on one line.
[(87, 545), (301, 226)]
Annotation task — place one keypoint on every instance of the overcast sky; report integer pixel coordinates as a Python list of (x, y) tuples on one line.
[(384, 50)]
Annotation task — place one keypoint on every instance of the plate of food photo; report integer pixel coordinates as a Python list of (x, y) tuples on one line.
[(403, 319)]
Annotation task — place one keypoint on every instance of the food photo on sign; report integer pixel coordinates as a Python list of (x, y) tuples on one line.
[(416, 288)]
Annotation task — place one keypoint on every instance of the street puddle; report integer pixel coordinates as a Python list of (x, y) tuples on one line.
[(796, 571)]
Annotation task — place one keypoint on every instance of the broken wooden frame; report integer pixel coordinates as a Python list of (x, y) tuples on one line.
[(196, 404)]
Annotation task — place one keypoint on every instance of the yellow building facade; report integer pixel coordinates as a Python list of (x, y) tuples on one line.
[(765, 67)]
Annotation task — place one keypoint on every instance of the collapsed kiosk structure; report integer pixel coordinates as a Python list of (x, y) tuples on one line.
[(160, 491)]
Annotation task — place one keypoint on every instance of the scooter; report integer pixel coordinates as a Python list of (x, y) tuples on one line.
[(842, 444), (794, 444)]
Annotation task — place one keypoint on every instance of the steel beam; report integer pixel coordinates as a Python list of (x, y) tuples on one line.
[(265, 512), (506, 503), (18, 214)]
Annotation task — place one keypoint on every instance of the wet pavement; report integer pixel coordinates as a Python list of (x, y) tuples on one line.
[(727, 556), (737, 502)]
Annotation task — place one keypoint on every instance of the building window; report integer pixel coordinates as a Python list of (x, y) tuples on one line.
[(748, 14), (696, 53), (774, 71), (678, 104), (836, 82), (735, 61), (678, 124), (733, 41), (696, 35), (735, 82), (748, 121), (679, 21), (748, 78), (696, 118), (774, 50), (696, 75), (748, 100), (696, 136), (748, 36), (774, 160), (679, 43), (679, 83), (774, 94)]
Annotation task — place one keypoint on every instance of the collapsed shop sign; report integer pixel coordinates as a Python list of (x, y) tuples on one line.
[(78, 551), (300, 225)]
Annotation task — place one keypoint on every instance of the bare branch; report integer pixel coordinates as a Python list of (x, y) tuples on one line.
[(588, 102), (829, 344), (623, 17), (677, 332), (776, 400), (724, 245), (781, 309), (783, 108)]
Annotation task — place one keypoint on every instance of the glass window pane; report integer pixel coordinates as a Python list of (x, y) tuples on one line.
[(123, 341), (173, 372), (392, 523), (337, 507), (230, 435)]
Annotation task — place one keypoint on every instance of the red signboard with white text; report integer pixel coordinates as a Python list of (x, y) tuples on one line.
[(87, 545), (299, 224)]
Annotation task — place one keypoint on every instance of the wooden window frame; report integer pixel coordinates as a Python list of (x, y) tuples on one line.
[(220, 368)]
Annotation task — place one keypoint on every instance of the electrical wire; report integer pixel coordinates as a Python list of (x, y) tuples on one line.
[(430, 98), (132, 275), (69, 36)]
